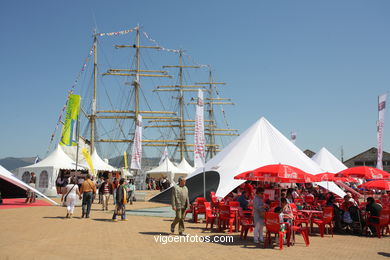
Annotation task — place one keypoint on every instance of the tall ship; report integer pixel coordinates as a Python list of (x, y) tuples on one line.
[(128, 74)]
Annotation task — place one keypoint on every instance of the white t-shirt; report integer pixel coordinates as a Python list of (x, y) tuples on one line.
[(73, 190)]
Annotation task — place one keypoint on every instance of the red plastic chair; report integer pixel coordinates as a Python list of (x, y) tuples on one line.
[(199, 208), (384, 220), (274, 204), (298, 201), (272, 224), (210, 216), (226, 217), (299, 219), (234, 203), (214, 200), (246, 221), (304, 233), (326, 219), (309, 201), (235, 206)]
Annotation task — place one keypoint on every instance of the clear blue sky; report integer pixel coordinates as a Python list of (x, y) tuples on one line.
[(316, 67)]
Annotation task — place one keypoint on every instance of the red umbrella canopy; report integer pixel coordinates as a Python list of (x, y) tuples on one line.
[(377, 184), (328, 176), (364, 172), (325, 176), (276, 173)]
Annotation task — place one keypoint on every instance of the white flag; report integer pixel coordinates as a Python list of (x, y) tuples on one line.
[(199, 141), (164, 155), (380, 125), (136, 153)]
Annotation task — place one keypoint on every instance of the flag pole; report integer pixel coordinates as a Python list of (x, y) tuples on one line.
[(204, 182)]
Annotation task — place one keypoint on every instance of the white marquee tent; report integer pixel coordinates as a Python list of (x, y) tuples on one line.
[(260, 145), (47, 171), (167, 168), (327, 161), (10, 178), (98, 163), (185, 166)]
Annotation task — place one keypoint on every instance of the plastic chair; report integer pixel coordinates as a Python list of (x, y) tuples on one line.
[(234, 203), (199, 208), (383, 223), (246, 222), (326, 219), (299, 219), (226, 217), (210, 216), (304, 233), (274, 204), (272, 224)]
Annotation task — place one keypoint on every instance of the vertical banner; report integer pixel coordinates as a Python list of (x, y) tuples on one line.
[(136, 152), (380, 125), (69, 135), (199, 140), (125, 159), (88, 158), (164, 155)]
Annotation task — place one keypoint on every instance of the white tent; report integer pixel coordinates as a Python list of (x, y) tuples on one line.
[(47, 171), (185, 166), (9, 177), (98, 163), (166, 168), (327, 161), (260, 145)]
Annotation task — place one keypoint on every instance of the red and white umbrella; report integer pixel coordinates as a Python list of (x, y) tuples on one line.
[(377, 184), (277, 173), (364, 172)]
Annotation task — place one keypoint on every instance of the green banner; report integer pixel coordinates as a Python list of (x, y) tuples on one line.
[(69, 135)]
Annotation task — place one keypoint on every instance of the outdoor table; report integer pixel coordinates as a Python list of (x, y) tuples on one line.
[(309, 213)]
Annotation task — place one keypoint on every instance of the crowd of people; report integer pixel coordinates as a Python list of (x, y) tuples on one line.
[(160, 184), (87, 188), (348, 211)]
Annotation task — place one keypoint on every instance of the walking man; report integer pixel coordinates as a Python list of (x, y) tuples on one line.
[(180, 202), (121, 200), (258, 215), (87, 191), (105, 191)]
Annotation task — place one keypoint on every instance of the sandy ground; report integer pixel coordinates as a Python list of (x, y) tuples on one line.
[(44, 233)]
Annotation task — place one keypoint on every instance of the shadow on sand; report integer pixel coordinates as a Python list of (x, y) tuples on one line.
[(155, 233), (384, 254)]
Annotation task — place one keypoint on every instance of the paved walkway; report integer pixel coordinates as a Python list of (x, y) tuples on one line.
[(165, 212)]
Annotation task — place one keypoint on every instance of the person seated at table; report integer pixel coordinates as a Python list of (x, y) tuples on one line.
[(374, 209), (352, 200), (248, 188), (286, 210), (290, 195), (385, 199), (337, 212), (243, 199)]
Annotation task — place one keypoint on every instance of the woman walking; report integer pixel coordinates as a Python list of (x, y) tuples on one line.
[(69, 197)]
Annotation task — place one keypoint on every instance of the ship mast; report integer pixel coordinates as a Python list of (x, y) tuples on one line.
[(181, 88), (137, 73), (92, 117), (212, 148)]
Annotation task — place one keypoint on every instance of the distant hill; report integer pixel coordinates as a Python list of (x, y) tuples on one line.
[(12, 163)]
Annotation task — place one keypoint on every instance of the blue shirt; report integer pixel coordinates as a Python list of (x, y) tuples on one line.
[(243, 202)]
